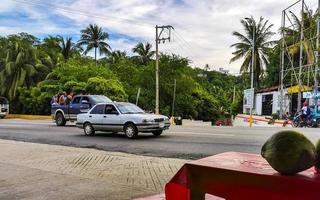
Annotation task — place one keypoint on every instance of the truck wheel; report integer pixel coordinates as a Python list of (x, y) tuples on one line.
[(131, 131), (157, 133), (318, 123), (88, 129), (60, 120)]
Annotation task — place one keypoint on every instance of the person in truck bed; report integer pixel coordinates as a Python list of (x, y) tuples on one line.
[(63, 98)]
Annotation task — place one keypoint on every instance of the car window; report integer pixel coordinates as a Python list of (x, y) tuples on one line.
[(111, 110), (85, 99), (98, 109), (3, 100), (128, 108), (100, 99), (76, 100)]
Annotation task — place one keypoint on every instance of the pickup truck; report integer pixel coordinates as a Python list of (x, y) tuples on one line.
[(79, 104)]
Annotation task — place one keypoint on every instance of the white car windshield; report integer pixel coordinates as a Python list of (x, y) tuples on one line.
[(128, 108), (100, 99)]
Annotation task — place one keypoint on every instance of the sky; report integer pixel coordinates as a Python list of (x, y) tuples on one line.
[(202, 28)]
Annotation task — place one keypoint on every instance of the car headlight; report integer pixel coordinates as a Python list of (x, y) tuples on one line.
[(147, 120), (166, 119)]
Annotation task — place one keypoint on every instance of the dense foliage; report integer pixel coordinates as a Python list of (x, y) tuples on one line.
[(32, 70)]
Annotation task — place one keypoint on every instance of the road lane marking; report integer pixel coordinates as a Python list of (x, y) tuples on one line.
[(201, 133)]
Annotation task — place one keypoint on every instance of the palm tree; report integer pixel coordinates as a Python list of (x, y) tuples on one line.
[(21, 68), (116, 56), (261, 45), (68, 48), (144, 52), (50, 51), (93, 37), (292, 36)]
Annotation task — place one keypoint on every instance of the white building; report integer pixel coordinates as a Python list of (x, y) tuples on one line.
[(267, 102)]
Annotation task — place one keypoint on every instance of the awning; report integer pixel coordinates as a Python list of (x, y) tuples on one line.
[(295, 89)]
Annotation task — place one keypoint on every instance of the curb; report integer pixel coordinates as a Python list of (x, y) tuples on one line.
[(17, 116)]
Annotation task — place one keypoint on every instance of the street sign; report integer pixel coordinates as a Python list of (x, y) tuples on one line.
[(248, 98), (310, 95)]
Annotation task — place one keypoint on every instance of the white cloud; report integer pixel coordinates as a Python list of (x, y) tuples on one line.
[(7, 5)]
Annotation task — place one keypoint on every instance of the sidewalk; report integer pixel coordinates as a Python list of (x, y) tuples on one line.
[(40, 171), (243, 120)]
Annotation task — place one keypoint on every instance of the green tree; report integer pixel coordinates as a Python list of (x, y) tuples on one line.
[(68, 48), (262, 33), (21, 68), (49, 51), (117, 56), (93, 37), (144, 52), (272, 68), (111, 88)]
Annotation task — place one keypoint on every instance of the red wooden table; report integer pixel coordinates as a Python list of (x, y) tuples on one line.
[(240, 176)]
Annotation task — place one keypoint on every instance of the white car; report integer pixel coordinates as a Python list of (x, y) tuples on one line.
[(120, 116), (4, 107)]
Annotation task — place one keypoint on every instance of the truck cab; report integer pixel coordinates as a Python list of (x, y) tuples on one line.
[(79, 104)]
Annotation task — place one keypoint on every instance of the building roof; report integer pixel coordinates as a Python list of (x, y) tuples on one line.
[(291, 90), (269, 89)]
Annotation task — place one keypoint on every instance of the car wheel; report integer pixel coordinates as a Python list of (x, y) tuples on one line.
[(131, 131), (60, 120), (88, 129), (318, 123), (157, 133)]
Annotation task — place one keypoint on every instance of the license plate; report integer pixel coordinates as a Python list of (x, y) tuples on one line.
[(161, 124)]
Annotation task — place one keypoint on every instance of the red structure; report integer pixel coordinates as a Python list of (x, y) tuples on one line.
[(239, 176)]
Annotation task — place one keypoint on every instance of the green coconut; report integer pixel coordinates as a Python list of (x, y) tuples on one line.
[(289, 152)]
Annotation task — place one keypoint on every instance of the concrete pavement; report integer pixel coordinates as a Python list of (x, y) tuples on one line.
[(41, 171)]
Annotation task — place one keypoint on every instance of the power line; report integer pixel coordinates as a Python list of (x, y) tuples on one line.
[(187, 45), (84, 13)]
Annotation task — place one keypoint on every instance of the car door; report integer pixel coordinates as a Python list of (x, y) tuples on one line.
[(96, 115), (74, 107), (85, 104), (111, 119)]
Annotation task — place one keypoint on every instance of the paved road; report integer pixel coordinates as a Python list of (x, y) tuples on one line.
[(188, 142)]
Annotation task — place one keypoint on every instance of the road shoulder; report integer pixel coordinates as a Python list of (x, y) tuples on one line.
[(41, 171)]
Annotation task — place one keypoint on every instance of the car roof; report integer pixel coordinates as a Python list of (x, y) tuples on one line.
[(4, 100)]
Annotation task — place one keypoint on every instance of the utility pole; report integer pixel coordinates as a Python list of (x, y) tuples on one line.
[(233, 100), (252, 68), (174, 96), (234, 94), (301, 59), (316, 82), (160, 38), (282, 63), (138, 95)]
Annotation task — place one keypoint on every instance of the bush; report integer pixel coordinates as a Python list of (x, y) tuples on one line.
[(275, 116)]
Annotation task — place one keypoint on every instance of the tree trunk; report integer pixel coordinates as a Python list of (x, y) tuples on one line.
[(95, 55)]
